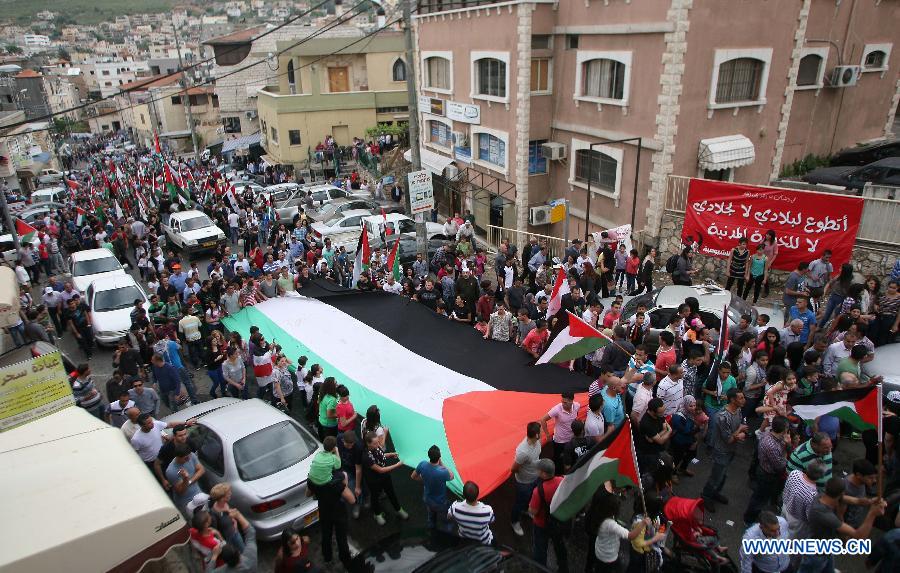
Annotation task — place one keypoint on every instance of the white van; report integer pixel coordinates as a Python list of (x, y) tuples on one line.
[(49, 195)]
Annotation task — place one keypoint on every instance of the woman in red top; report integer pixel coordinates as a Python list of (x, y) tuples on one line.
[(292, 552), (44, 254)]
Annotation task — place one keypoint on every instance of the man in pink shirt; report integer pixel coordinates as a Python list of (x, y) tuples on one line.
[(563, 414), (536, 340)]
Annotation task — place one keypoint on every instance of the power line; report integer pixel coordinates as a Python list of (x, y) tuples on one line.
[(140, 85)]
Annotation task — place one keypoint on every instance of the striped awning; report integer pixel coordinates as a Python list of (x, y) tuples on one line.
[(243, 142), (434, 162), (726, 152)]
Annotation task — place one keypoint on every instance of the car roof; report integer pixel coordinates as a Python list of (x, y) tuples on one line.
[(113, 282), (886, 162), (320, 187), (391, 217), (672, 296), (180, 215), (235, 420), (355, 213), (91, 254)]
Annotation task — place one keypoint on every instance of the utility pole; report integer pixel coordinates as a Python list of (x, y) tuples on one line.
[(186, 98), (421, 236)]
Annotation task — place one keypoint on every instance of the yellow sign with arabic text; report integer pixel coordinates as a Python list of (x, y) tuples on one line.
[(33, 389)]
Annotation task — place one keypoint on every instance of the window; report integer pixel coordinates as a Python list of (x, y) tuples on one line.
[(540, 75), (600, 168), (491, 149), (398, 71), (437, 73), (717, 174), (572, 42), (537, 163), (215, 100), (439, 133), (540, 42), (142, 119), (808, 73), (274, 134), (176, 100), (875, 57), (231, 124), (105, 72), (739, 80), (490, 77), (603, 79), (294, 136)]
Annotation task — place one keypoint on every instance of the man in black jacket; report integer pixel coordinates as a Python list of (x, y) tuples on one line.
[(616, 355)]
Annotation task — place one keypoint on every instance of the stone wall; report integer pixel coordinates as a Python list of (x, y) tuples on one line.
[(868, 258)]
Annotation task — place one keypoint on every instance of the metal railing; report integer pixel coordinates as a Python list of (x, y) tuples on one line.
[(879, 222), (555, 246)]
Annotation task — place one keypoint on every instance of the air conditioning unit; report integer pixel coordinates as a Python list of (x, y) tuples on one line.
[(251, 114), (451, 171), (553, 151), (539, 215), (844, 76)]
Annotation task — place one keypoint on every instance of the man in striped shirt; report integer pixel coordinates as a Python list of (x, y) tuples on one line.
[(473, 518), (817, 448), (670, 390)]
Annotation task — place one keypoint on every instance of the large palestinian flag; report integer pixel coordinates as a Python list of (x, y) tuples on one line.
[(435, 381), (859, 407), (611, 459)]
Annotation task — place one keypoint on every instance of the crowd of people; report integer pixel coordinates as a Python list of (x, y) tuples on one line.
[(684, 401)]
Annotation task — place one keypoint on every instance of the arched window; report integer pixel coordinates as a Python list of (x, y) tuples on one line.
[(808, 73), (603, 78), (598, 167), (739, 80), (875, 60), (398, 70)]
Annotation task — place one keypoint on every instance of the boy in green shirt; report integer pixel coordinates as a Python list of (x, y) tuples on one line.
[(324, 471)]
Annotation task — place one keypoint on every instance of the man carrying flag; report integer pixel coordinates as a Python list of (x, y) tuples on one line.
[(363, 256), (560, 289), (573, 339), (393, 262)]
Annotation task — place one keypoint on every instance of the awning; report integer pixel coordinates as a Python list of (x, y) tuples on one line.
[(726, 152), (434, 162), (35, 167), (176, 134), (268, 160), (243, 142)]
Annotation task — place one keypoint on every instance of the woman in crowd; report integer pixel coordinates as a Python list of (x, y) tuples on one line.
[(327, 408), (215, 356), (770, 248), (888, 317), (685, 436), (234, 373)]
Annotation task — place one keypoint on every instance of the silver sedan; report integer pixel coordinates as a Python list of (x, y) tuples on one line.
[(263, 454)]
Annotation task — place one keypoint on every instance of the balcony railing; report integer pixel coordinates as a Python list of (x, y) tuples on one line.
[(299, 103)]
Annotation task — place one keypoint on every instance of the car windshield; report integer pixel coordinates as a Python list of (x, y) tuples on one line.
[(116, 299), (271, 450), (320, 196), (406, 226), (94, 266), (334, 220), (630, 307), (195, 223)]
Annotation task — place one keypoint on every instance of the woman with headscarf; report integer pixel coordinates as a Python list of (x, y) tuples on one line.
[(683, 444)]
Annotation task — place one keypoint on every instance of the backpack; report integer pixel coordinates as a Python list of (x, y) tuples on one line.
[(553, 525), (672, 264)]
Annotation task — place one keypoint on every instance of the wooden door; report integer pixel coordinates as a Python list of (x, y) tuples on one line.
[(338, 80)]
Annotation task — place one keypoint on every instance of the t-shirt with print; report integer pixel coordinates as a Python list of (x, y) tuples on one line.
[(371, 458), (562, 431), (190, 327), (434, 478)]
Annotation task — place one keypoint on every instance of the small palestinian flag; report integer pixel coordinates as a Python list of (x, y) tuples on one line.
[(363, 256), (25, 231), (79, 220), (572, 341), (393, 261), (560, 288), (859, 407), (610, 459)]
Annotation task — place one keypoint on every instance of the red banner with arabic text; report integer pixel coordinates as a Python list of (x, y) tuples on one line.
[(805, 223)]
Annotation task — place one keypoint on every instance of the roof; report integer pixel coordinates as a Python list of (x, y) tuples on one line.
[(243, 142), (182, 215), (38, 460), (91, 254), (113, 282), (200, 90), (239, 37), (28, 74), (237, 420), (152, 82)]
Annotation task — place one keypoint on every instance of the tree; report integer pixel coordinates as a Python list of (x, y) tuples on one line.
[(12, 49)]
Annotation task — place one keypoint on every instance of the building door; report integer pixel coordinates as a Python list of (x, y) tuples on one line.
[(341, 134), (338, 80)]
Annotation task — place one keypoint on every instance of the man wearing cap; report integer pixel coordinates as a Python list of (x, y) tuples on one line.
[(53, 301)]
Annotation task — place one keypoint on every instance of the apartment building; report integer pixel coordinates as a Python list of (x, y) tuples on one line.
[(108, 75), (335, 87), (523, 102)]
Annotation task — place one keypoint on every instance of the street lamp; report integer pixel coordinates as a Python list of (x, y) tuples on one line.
[(637, 168)]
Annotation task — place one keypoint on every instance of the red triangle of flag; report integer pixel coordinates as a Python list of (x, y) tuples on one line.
[(621, 449), (23, 228), (581, 329)]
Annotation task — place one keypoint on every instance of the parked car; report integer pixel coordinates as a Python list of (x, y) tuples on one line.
[(346, 225), (662, 304), (9, 253), (50, 176), (882, 172), (54, 194), (408, 247), (263, 453), (111, 300), (38, 212), (401, 224), (324, 193), (429, 552), (329, 210), (866, 154), (192, 232), (92, 264), (885, 363)]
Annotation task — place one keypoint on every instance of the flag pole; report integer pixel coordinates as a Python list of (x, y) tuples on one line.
[(880, 443), (636, 465)]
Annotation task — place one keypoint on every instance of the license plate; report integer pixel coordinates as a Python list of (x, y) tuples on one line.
[(310, 518), (209, 244)]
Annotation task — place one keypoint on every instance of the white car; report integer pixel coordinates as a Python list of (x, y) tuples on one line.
[(192, 232), (92, 264), (400, 223), (111, 300), (49, 176), (9, 252), (323, 194), (55, 194), (342, 228)]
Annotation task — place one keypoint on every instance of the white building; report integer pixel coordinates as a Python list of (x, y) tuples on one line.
[(35, 42)]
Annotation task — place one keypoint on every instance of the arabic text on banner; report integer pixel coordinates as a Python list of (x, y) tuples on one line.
[(32, 389), (805, 223)]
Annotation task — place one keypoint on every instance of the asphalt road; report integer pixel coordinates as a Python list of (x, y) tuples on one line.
[(365, 532)]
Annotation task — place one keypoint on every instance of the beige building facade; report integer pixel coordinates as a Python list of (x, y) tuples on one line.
[(526, 102)]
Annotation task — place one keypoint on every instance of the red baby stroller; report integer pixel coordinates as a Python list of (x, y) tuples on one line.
[(696, 547)]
